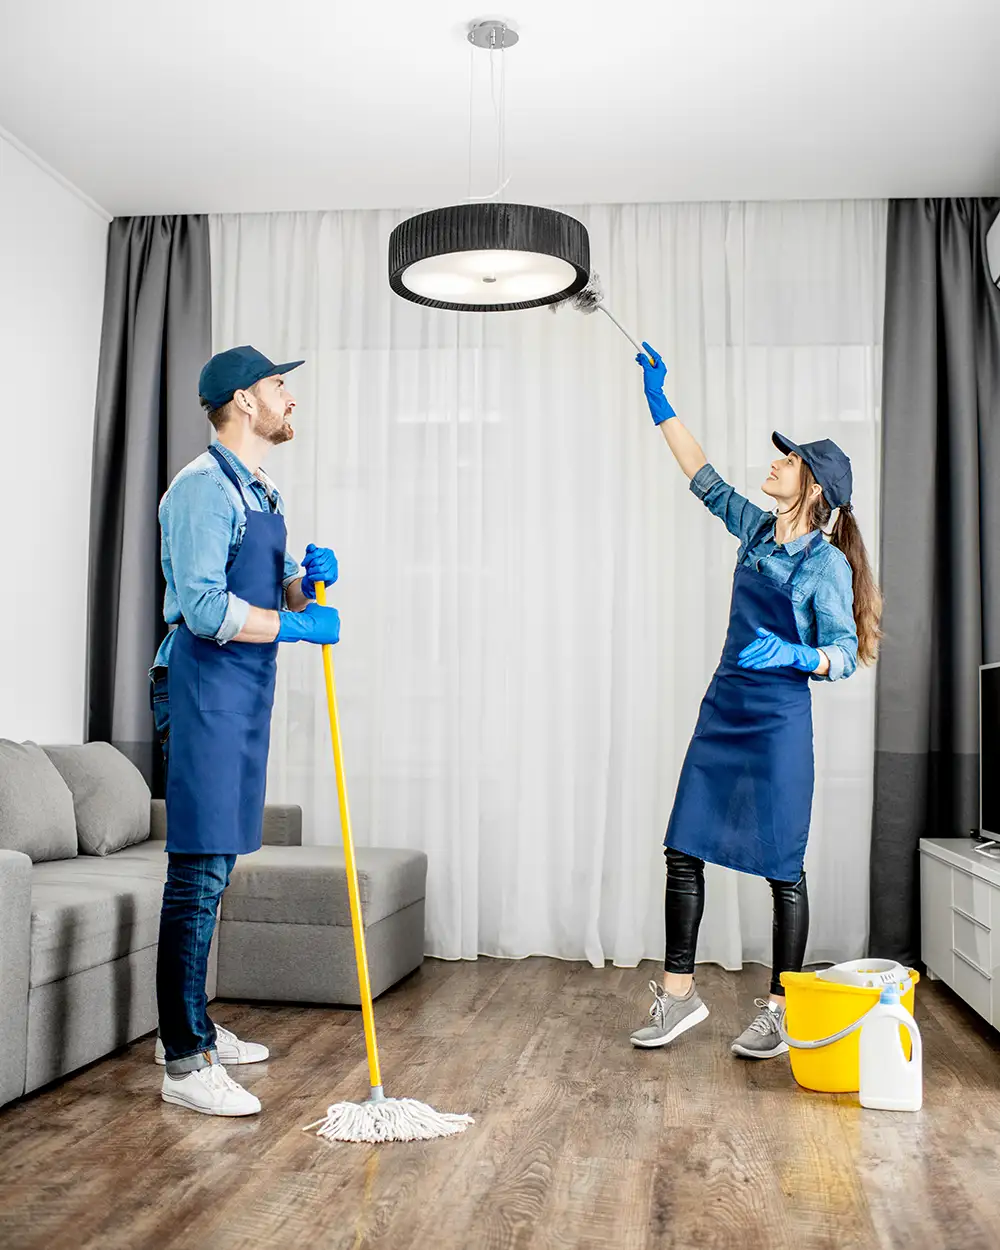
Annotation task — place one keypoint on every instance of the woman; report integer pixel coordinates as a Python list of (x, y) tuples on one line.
[(802, 607)]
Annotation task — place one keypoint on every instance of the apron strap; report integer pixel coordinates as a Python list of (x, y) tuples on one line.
[(226, 468), (230, 472)]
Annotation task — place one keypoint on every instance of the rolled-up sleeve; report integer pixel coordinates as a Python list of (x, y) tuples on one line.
[(836, 633), (237, 611), (740, 516), (200, 531), (292, 572)]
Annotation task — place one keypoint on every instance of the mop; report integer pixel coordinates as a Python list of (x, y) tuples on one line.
[(589, 300), (379, 1119)]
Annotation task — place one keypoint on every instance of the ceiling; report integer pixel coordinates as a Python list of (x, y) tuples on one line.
[(247, 105)]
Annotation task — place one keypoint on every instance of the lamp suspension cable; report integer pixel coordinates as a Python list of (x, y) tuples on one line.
[(472, 96), (496, 39)]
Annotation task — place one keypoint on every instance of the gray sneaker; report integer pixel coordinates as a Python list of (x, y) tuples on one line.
[(669, 1017), (761, 1039)]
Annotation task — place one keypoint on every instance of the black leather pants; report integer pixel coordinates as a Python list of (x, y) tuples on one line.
[(685, 905)]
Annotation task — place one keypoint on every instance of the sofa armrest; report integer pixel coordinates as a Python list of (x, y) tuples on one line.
[(157, 820), (15, 970), (282, 823)]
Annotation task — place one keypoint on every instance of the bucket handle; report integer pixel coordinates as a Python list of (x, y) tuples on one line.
[(819, 1043), (798, 1044)]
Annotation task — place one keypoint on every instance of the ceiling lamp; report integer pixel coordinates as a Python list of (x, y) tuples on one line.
[(487, 255)]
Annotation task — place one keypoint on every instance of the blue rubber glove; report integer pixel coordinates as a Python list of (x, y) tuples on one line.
[(321, 566), (314, 624), (652, 383), (770, 651)]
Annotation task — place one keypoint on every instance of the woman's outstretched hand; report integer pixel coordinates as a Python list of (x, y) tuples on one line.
[(653, 374)]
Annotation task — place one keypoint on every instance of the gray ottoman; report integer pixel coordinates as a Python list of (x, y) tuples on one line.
[(286, 933)]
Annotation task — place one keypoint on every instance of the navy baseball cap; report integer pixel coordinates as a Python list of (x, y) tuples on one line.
[(830, 467), (235, 370)]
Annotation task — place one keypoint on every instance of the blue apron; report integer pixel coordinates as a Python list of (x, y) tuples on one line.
[(745, 793), (220, 708)]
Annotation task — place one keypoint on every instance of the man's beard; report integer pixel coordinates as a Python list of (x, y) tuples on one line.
[(274, 427), (283, 434)]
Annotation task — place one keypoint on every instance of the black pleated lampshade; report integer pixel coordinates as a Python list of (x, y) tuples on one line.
[(489, 257)]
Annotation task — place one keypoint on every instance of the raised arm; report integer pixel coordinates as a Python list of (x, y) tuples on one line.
[(680, 440), (742, 518)]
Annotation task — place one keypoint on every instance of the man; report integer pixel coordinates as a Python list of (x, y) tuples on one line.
[(233, 593)]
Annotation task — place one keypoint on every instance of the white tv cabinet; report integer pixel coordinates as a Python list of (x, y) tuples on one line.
[(960, 921)]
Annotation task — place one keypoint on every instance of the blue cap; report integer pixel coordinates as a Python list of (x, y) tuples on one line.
[(235, 370), (830, 467)]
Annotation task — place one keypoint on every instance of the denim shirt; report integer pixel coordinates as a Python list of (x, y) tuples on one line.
[(823, 593), (202, 522)]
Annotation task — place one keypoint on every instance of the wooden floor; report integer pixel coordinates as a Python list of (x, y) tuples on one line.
[(580, 1142)]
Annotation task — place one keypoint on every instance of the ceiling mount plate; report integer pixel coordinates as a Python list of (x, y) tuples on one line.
[(493, 35)]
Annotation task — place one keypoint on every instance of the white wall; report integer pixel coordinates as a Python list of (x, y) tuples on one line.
[(52, 255)]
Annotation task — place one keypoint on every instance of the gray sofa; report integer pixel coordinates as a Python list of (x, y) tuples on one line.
[(82, 866)]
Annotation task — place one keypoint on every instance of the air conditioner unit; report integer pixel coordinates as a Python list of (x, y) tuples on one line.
[(993, 249)]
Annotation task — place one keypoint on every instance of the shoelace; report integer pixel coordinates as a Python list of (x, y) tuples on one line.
[(223, 1035), (767, 1021), (216, 1077), (659, 1003)]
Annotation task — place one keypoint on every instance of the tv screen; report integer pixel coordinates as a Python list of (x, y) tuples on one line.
[(989, 750)]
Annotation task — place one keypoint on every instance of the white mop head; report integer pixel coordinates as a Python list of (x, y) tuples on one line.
[(389, 1119)]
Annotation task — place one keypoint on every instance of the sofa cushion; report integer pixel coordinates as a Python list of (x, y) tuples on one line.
[(147, 859), (36, 806), (308, 885), (83, 916), (110, 796)]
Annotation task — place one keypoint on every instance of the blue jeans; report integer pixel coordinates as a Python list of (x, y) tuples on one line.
[(191, 898)]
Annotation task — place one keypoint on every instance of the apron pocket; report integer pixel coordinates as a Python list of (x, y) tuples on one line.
[(217, 694), (228, 683)]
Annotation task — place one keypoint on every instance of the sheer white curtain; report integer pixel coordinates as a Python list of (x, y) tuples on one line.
[(532, 602)]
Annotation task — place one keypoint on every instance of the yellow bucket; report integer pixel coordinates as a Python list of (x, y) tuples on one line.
[(816, 1008)]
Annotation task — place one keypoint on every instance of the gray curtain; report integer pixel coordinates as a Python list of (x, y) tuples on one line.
[(157, 334), (940, 558)]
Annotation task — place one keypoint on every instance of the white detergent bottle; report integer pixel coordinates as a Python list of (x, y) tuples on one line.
[(890, 1081)]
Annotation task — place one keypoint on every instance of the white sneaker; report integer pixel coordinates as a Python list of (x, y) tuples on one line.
[(210, 1090), (230, 1049)]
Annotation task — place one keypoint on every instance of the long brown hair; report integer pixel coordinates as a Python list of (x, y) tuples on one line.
[(847, 537)]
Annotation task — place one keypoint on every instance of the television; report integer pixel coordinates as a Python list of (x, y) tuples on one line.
[(989, 751), (993, 249)]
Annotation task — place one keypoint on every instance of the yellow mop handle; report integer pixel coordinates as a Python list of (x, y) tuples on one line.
[(357, 923)]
